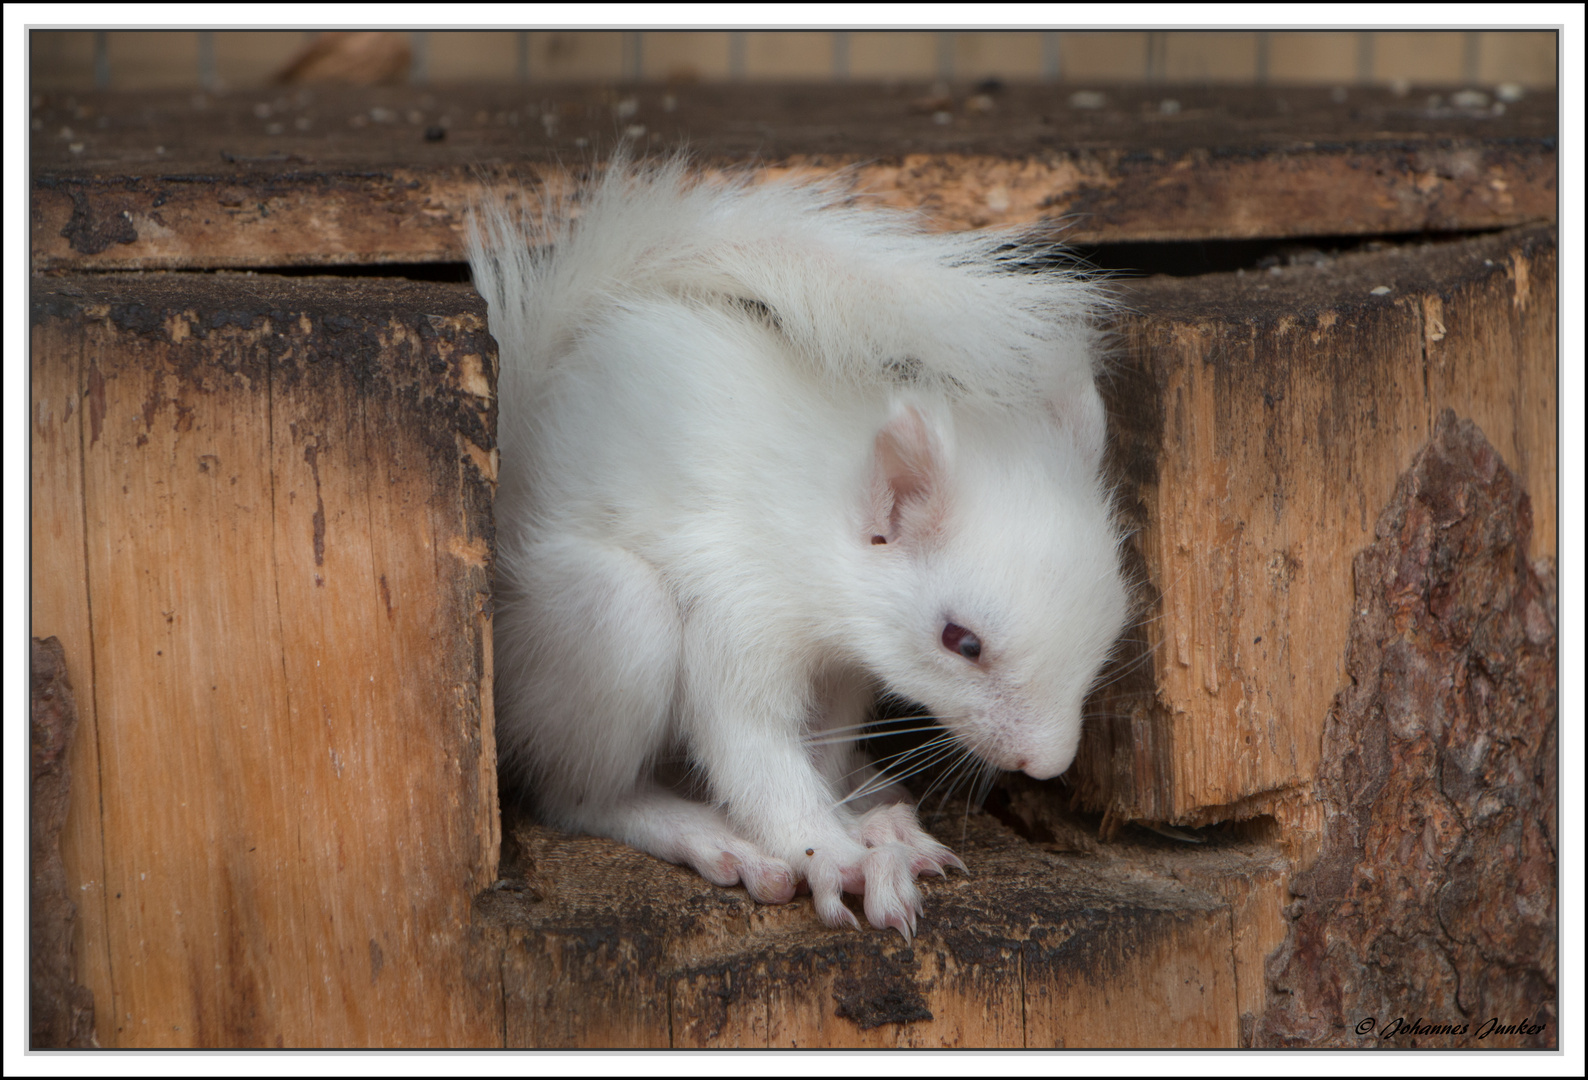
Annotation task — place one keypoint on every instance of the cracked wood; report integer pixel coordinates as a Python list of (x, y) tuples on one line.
[(288, 798)]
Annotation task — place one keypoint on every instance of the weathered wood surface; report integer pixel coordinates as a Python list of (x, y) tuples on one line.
[(1439, 768), (60, 1007), (1430, 917), (1261, 421), (308, 177), (604, 946), (262, 530), (1246, 866), (60, 609), (332, 440)]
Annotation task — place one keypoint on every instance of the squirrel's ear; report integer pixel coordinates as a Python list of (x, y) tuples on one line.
[(908, 478)]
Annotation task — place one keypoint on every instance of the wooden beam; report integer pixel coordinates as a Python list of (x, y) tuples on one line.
[(282, 622), (313, 178), (1261, 420), (604, 946)]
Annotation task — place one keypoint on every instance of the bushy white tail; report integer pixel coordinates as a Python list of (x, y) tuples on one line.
[(863, 294)]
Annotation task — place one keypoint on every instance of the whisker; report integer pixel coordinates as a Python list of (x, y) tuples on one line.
[(975, 773), (947, 750), (825, 732), (883, 780), (950, 779), (828, 738), (984, 787), (1117, 674), (966, 776), (877, 726), (964, 818), (883, 764), (898, 756), (933, 751)]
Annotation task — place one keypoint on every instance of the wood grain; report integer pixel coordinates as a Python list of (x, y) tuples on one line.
[(606, 947), (286, 560), (386, 175), (60, 421), (1262, 420), (1172, 986), (261, 532), (1247, 865)]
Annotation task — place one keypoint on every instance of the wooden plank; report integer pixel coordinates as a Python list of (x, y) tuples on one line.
[(590, 978), (1170, 984), (613, 948), (287, 535), (1247, 865), (1262, 420), (193, 762), (322, 178), (60, 423)]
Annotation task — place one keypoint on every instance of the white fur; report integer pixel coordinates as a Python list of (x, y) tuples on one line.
[(713, 396)]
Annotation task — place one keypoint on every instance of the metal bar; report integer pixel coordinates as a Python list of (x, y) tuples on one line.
[(419, 67), (101, 60), (1052, 62), (1471, 55), (206, 59), (633, 55), (736, 41)]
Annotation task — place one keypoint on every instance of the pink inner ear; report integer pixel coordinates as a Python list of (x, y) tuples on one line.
[(906, 476)]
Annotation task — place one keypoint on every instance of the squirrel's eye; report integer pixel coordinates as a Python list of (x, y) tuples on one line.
[(958, 639)]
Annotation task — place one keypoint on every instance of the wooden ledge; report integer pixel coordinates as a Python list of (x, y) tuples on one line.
[(1066, 944), (341, 177)]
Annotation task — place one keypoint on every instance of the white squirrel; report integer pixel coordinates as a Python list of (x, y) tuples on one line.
[(766, 452)]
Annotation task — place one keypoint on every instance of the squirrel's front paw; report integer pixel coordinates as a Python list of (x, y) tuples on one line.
[(896, 823), (881, 874)]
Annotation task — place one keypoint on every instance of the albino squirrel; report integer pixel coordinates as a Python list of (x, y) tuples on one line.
[(766, 452)]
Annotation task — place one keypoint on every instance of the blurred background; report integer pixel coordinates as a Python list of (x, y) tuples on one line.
[(239, 59)]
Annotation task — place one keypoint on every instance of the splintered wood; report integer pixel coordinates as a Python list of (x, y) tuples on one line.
[(262, 537)]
